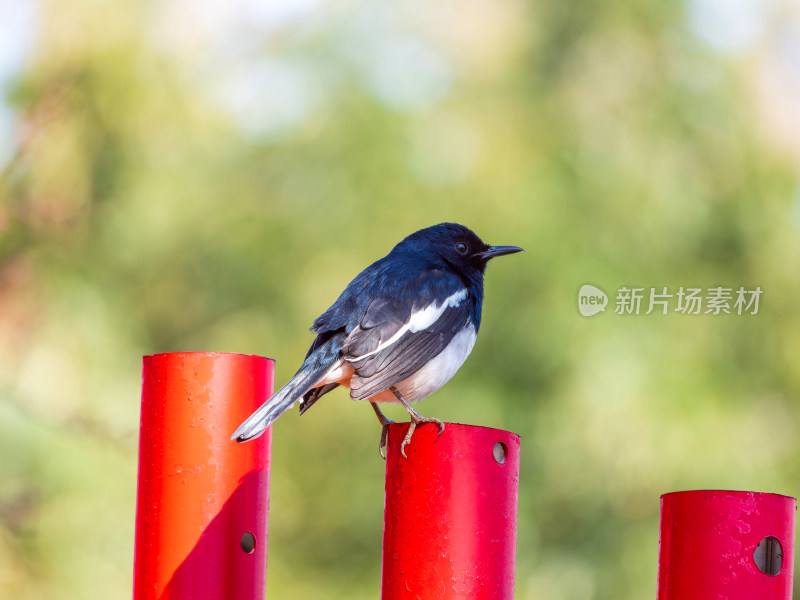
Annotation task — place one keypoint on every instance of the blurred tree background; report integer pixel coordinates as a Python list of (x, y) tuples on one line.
[(208, 175)]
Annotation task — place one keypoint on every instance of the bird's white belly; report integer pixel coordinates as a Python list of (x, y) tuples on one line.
[(437, 372)]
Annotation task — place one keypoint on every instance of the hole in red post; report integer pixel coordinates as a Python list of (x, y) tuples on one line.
[(768, 555), (249, 543), (500, 452)]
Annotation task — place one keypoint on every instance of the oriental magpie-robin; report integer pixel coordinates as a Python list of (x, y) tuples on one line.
[(398, 332)]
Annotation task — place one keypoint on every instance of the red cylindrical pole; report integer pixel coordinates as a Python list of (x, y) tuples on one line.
[(450, 520), (722, 544), (202, 502)]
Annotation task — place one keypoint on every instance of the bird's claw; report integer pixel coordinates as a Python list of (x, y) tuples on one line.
[(412, 427), (384, 435)]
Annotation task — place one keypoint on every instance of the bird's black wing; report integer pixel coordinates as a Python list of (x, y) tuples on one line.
[(394, 341)]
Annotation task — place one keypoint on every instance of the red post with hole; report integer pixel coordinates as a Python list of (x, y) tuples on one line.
[(724, 544), (202, 501), (450, 520)]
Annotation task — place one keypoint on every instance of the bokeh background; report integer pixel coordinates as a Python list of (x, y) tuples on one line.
[(208, 175)]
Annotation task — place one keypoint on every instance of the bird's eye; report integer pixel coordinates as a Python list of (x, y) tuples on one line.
[(462, 248)]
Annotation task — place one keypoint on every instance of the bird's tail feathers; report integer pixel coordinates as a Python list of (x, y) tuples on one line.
[(278, 404)]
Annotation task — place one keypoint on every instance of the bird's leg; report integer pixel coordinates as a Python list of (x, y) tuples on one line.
[(416, 419), (385, 422)]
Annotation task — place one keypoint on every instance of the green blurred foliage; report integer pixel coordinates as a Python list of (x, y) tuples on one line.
[(186, 181)]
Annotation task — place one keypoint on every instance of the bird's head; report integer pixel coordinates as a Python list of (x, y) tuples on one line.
[(457, 245)]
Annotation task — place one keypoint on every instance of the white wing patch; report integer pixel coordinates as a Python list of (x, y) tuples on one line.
[(419, 320), (426, 317)]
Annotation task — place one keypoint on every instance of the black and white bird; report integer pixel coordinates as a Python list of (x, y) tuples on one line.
[(399, 331)]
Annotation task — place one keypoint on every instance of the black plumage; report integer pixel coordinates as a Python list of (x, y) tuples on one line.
[(399, 330)]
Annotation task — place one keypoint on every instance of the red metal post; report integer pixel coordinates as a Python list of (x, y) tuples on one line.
[(450, 520), (202, 502), (722, 544)]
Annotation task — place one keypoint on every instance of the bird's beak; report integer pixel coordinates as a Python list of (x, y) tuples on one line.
[(493, 251)]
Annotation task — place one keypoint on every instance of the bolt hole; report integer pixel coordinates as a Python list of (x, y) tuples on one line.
[(500, 452), (248, 543), (768, 555)]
